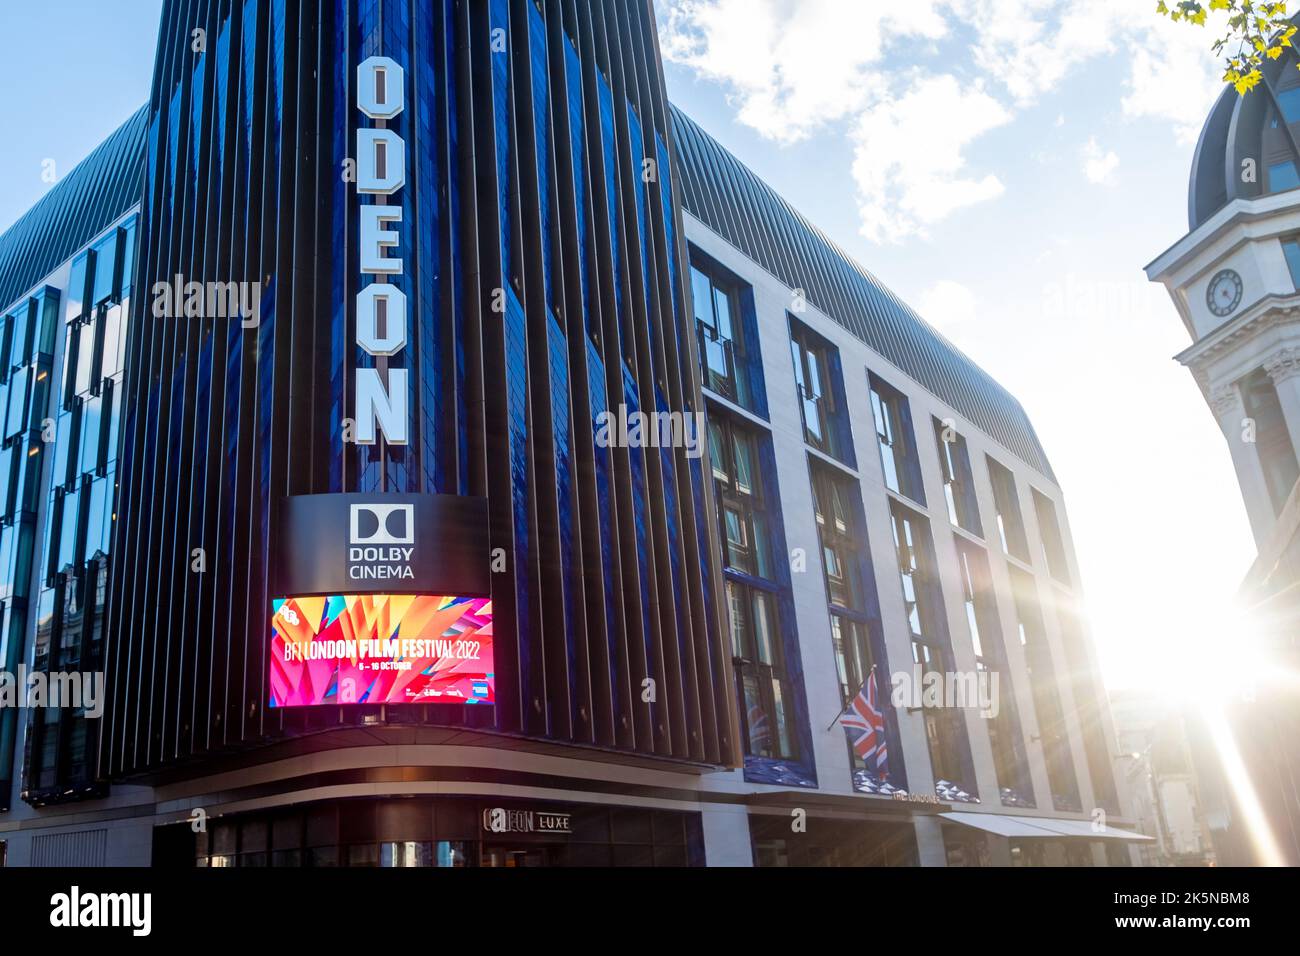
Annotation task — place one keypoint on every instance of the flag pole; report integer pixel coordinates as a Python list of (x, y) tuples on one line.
[(852, 697)]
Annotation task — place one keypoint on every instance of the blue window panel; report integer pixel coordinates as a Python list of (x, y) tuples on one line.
[(222, 85), (95, 521), (639, 515), (1289, 100), (68, 528), (173, 144), (516, 345), (129, 232), (1282, 176), (86, 375), (16, 417), (47, 320), (63, 441), (611, 198), (1291, 249), (113, 409), (458, 272), (77, 286), (638, 194), (542, 133), (8, 539), (105, 265), (577, 146), (20, 320), (560, 415), (8, 480), (500, 20), (604, 499), (433, 367), (114, 358)]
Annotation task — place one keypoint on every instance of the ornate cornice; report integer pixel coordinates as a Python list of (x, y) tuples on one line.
[(1283, 365), (1224, 400), (1270, 313)]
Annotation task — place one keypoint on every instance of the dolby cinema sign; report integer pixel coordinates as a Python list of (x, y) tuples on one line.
[(381, 313)]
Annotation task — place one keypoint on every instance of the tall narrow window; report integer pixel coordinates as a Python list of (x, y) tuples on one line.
[(958, 480), (718, 329), (1088, 702), (1052, 731), (1005, 738), (944, 727), (898, 458), (815, 400), (758, 658), (1011, 525), (1049, 529), (842, 537), (760, 672)]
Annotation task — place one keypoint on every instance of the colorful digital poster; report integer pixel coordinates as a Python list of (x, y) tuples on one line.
[(381, 649)]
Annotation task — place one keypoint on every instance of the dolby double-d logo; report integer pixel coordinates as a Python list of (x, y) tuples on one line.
[(381, 542)]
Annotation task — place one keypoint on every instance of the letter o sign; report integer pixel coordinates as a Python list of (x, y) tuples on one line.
[(380, 87)]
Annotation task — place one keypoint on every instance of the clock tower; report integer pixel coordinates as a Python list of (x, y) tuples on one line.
[(1235, 280)]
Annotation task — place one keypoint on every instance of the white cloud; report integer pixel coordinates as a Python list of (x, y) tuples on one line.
[(908, 162), (947, 305), (1099, 165), (792, 67), (1175, 81)]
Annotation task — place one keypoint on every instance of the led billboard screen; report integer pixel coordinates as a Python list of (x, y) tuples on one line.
[(381, 649)]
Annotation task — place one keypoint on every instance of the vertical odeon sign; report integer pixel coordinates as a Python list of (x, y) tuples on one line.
[(385, 598), (381, 313)]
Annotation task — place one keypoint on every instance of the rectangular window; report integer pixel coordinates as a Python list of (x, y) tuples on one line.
[(1291, 249), (815, 389), (958, 479), (1088, 702), (1049, 529), (1005, 739), (718, 329), (843, 543), (758, 658), (898, 458), (1282, 176), (924, 605), (761, 680), (1289, 101), (733, 449), (1011, 524), (1053, 734)]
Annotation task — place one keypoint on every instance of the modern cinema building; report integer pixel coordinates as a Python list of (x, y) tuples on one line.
[(450, 455)]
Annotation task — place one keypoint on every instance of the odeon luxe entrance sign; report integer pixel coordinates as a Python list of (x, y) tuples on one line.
[(381, 307)]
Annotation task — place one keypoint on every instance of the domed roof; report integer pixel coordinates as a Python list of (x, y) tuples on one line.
[(1250, 145)]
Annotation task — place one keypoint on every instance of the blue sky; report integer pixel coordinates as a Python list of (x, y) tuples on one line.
[(1006, 166)]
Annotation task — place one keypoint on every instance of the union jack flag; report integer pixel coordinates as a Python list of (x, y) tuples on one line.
[(760, 731), (865, 722)]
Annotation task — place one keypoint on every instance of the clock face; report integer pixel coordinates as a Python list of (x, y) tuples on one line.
[(1224, 293)]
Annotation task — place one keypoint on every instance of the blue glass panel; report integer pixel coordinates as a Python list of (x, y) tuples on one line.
[(1282, 176)]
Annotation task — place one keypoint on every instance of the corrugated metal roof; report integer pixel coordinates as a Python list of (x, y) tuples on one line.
[(730, 199), (98, 191)]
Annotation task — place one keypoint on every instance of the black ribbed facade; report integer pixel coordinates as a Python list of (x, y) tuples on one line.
[(544, 271)]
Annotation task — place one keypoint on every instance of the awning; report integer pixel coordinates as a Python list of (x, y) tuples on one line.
[(1041, 828)]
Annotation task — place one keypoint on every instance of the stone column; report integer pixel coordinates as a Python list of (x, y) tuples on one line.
[(1231, 414), (1283, 367)]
